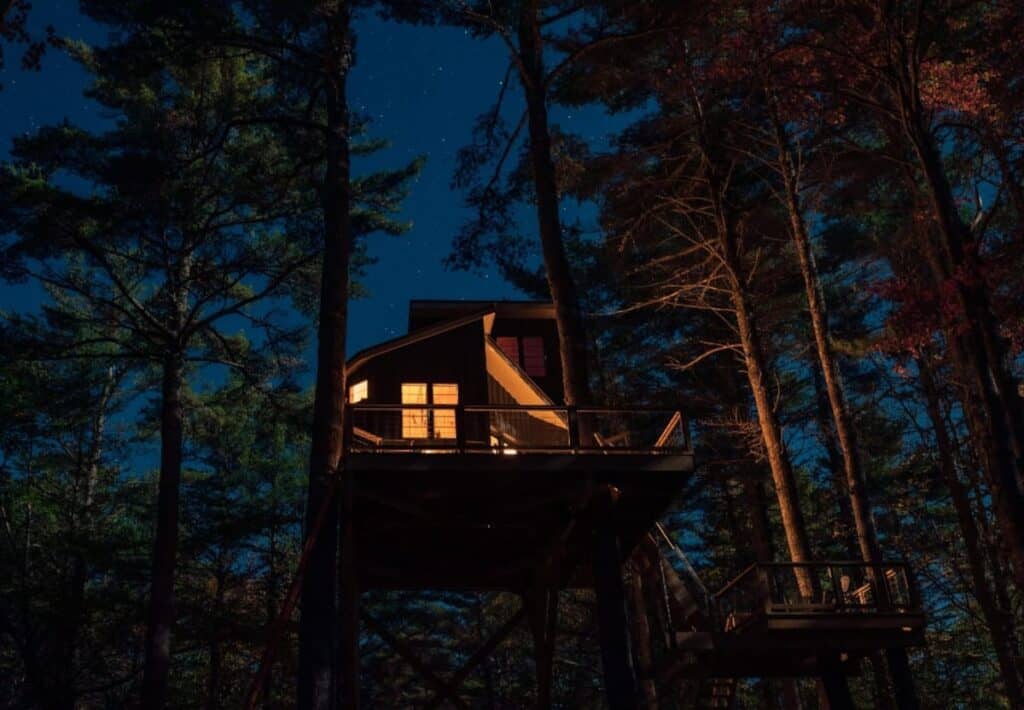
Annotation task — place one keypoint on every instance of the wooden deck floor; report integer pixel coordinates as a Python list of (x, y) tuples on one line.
[(791, 646)]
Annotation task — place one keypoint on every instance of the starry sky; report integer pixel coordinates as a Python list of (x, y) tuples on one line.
[(423, 89)]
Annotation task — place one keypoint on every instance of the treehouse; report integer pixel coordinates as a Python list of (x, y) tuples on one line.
[(467, 464), (467, 471)]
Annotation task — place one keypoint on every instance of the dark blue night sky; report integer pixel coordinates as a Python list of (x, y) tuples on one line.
[(423, 87)]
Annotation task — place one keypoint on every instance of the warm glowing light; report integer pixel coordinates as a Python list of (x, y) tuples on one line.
[(414, 421), (444, 419), (359, 391)]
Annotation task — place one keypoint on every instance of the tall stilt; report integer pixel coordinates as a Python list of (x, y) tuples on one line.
[(902, 680), (834, 680), (349, 605), (543, 607), (642, 635), (613, 624), (790, 694)]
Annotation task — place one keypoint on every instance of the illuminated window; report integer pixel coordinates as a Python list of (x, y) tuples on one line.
[(509, 345), (444, 419), (526, 352), (358, 392), (414, 421), (533, 356)]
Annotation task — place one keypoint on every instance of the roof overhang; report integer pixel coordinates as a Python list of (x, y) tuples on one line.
[(364, 356)]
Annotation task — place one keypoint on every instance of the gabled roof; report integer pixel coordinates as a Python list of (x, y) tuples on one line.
[(430, 331), (430, 310)]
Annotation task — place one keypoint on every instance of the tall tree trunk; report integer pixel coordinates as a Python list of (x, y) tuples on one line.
[(754, 358), (762, 544), (757, 505), (998, 625), (953, 264), (845, 430), (755, 361), (571, 335), (272, 588), (215, 667), (641, 631), (991, 403), (846, 531), (318, 631), (82, 527), (842, 420), (786, 491), (165, 548)]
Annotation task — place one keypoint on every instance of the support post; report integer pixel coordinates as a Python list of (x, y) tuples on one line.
[(613, 624), (642, 634), (348, 603), (902, 679), (543, 606), (834, 681)]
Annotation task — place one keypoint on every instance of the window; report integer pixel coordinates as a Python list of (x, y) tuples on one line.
[(358, 392), (429, 422), (444, 419), (414, 421), (509, 345), (533, 356), (526, 352)]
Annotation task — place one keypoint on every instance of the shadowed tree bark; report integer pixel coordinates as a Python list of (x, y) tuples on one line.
[(318, 628)]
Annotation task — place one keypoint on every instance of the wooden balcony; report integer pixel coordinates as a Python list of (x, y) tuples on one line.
[(511, 429)]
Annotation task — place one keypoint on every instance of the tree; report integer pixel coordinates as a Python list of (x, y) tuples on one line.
[(14, 15), (59, 480), (309, 50), (896, 68), (242, 512)]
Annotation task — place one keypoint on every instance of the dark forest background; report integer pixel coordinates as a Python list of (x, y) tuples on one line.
[(805, 230)]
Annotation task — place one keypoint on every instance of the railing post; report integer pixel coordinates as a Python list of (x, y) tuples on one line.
[(881, 588), (764, 588), (574, 428), (913, 600), (837, 590), (346, 431), (460, 428)]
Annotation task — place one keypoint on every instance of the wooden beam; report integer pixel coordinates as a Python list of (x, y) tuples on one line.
[(543, 606), (445, 689), (393, 502), (642, 635), (902, 679), (348, 603), (833, 678), (495, 639), (613, 625)]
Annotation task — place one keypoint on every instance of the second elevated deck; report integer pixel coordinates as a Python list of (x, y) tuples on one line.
[(787, 618)]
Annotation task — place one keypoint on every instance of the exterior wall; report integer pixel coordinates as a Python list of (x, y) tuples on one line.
[(455, 356)]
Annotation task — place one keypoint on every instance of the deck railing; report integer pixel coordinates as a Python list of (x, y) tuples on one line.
[(839, 587), (511, 429)]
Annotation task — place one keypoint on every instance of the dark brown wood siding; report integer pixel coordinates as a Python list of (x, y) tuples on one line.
[(454, 356)]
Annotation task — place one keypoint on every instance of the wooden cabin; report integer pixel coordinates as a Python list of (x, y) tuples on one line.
[(467, 464)]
